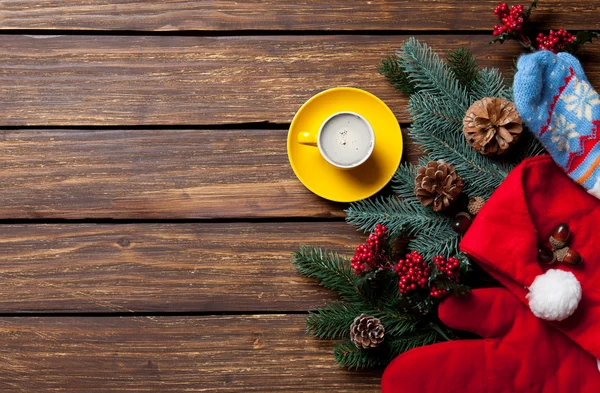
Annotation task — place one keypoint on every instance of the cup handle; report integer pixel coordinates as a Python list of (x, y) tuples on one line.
[(307, 138)]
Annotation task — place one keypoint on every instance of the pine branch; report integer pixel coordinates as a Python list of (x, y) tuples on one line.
[(462, 63), (402, 217), (402, 344), (332, 321), (396, 76), (348, 355), (445, 242), (430, 74), (403, 182), (330, 270), (437, 128), (491, 84)]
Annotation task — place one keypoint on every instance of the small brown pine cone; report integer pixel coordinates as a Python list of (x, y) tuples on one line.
[(492, 125), (437, 185), (475, 204), (366, 331)]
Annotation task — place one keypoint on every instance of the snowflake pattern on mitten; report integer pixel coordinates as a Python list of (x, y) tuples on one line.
[(558, 104)]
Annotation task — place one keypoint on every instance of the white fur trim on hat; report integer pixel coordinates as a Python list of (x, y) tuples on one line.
[(554, 295)]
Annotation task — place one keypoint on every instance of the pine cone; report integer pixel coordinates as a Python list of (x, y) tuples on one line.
[(366, 331), (492, 125), (437, 184)]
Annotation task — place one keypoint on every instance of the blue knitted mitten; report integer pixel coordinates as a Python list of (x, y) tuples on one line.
[(558, 104)]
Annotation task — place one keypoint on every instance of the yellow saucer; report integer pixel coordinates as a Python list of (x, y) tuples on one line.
[(328, 181)]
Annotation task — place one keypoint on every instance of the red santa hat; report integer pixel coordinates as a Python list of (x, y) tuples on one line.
[(521, 214)]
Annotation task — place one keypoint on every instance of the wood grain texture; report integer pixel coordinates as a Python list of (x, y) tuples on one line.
[(214, 15), (154, 174), (141, 80), (257, 353), (163, 267)]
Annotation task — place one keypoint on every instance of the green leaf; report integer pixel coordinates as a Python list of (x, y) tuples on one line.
[(501, 38), (581, 38)]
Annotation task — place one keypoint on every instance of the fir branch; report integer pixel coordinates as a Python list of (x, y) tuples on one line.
[(491, 84), (430, 74), (402, 217), (462, 63), (399, 345), (330, 270), (403, 182), (533, 146), (395, 321), (348, 355), (332, 321), (445, 242), (436, 127), (392, 70)]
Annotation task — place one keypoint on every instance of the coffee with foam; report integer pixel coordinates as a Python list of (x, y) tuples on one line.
[(346, 139)]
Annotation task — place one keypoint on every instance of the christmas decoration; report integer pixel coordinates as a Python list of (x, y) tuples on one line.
[(559, 236), (413, 273), (515, 26), (518, 353), (555, 41), (561, 108), (568, 255), (552, 294), (449, 267), (475, 204), (492, 125), (461, 223), (370, 255), (372, 282), (546, 255), (437, 185), (366, 331)]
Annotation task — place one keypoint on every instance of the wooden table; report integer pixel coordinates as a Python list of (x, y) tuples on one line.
[(148, 208)]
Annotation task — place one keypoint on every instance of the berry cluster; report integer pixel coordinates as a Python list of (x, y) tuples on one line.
[(449, 267), (413, 273), (512, 19), (438, 293), (370, 255), (555, 41)]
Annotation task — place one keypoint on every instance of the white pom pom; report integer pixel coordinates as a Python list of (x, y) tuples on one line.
[(554, 295)]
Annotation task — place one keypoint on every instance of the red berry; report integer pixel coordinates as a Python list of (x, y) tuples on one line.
[(370, 255), (413, 273)]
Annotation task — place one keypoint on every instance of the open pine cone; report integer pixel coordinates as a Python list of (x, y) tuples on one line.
[(492, 125), (366, 331), (437, 184)]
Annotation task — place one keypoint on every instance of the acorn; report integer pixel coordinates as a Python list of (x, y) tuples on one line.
[(461, 223), (545, 255), (568, 255), (560, 236)]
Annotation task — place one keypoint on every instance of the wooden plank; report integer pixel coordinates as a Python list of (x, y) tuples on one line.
[(153, 174), (176, 15), (257, 353), (133, 80), (229, 267)]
